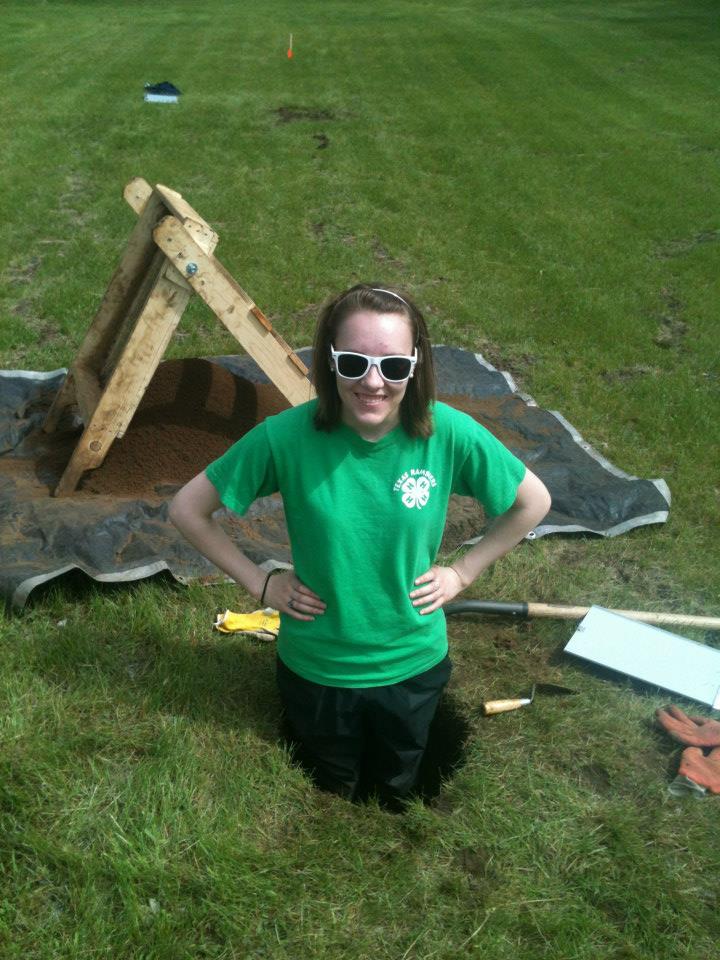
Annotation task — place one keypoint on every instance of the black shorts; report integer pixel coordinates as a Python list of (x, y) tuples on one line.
[(358, 740)]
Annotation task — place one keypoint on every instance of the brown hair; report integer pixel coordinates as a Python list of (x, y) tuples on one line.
[(415, 413)]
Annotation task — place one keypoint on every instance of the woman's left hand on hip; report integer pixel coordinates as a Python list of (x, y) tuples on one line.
[(435, 588)]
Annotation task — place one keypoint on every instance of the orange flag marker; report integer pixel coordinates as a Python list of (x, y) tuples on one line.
[(290, 52)]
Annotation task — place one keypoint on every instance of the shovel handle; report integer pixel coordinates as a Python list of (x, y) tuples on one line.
[(560, 611), (502, 706)]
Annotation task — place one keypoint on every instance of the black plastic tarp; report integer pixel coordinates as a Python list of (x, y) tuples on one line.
[(123, 539)]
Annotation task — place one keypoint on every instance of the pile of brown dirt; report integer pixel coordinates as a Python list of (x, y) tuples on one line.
[(192, 411)]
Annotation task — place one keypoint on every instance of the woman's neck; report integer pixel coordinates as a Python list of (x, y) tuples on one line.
[(366, 431)]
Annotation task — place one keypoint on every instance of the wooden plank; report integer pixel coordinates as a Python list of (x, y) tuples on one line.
[(236, 310), (172, 273), (130, 285), (126, 323), (142, 354), (130, 332), (82, 459), (203, 236), (64, 398), (87, 391), (181, 209), (123, 286), (124, 390), (137, 193), (159, 265)]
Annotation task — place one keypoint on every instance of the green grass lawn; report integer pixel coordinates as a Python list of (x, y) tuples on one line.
[(543, 178)]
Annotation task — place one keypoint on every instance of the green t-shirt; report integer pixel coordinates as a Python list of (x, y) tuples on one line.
[(365, 519)]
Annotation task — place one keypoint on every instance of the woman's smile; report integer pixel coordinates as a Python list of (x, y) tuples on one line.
[(371, 399)]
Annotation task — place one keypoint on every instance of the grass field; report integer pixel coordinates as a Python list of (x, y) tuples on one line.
[(543, 178)]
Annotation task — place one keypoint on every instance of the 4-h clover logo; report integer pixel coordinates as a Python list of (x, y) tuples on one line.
[(415, 492), (415, 487)]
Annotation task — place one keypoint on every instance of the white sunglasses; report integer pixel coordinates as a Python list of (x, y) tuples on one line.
[(355, 366)]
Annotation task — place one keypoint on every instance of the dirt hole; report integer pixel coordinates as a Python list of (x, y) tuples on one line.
[(444, 755)]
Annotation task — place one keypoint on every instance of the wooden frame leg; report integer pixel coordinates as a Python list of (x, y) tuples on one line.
[(64, 398), (125, 388)]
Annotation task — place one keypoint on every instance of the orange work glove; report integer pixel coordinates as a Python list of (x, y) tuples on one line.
[(695, 731), (701, 769)]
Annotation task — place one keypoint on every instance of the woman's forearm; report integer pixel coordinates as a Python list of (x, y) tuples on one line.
[(209, 539), (191, 512), (506, 533), (532, 504)]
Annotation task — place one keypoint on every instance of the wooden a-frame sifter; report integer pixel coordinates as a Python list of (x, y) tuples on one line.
[(169, 255)]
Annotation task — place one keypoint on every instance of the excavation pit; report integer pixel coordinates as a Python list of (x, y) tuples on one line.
[(444, 755)]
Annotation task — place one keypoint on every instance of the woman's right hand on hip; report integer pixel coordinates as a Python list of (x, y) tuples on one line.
[(286, 593)]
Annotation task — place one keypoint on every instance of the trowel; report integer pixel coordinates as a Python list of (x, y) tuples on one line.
[(490, 707)]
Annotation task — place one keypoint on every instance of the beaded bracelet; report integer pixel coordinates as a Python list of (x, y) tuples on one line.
[(267, 580)]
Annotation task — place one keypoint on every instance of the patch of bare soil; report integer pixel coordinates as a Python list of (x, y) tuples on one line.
[(330, 232), (596, 776), (293, 114), (476, 862), (18, 274), (670, 333), (681, 245), (516, 364), (382, 255), (672, 328), (624, 374), (23, 308)]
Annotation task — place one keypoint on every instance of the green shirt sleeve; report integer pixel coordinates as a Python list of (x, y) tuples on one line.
[(246, 471), (484, 467)]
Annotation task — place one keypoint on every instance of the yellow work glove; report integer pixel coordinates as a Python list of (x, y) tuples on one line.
[(263, 624)]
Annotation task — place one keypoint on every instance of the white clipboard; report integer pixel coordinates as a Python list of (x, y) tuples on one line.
[(648, 653)]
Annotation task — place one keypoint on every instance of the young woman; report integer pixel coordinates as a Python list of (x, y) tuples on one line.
[(365, 471)]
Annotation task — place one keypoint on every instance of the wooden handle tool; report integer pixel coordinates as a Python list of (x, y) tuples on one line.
[(491, 707), (560, 611)]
